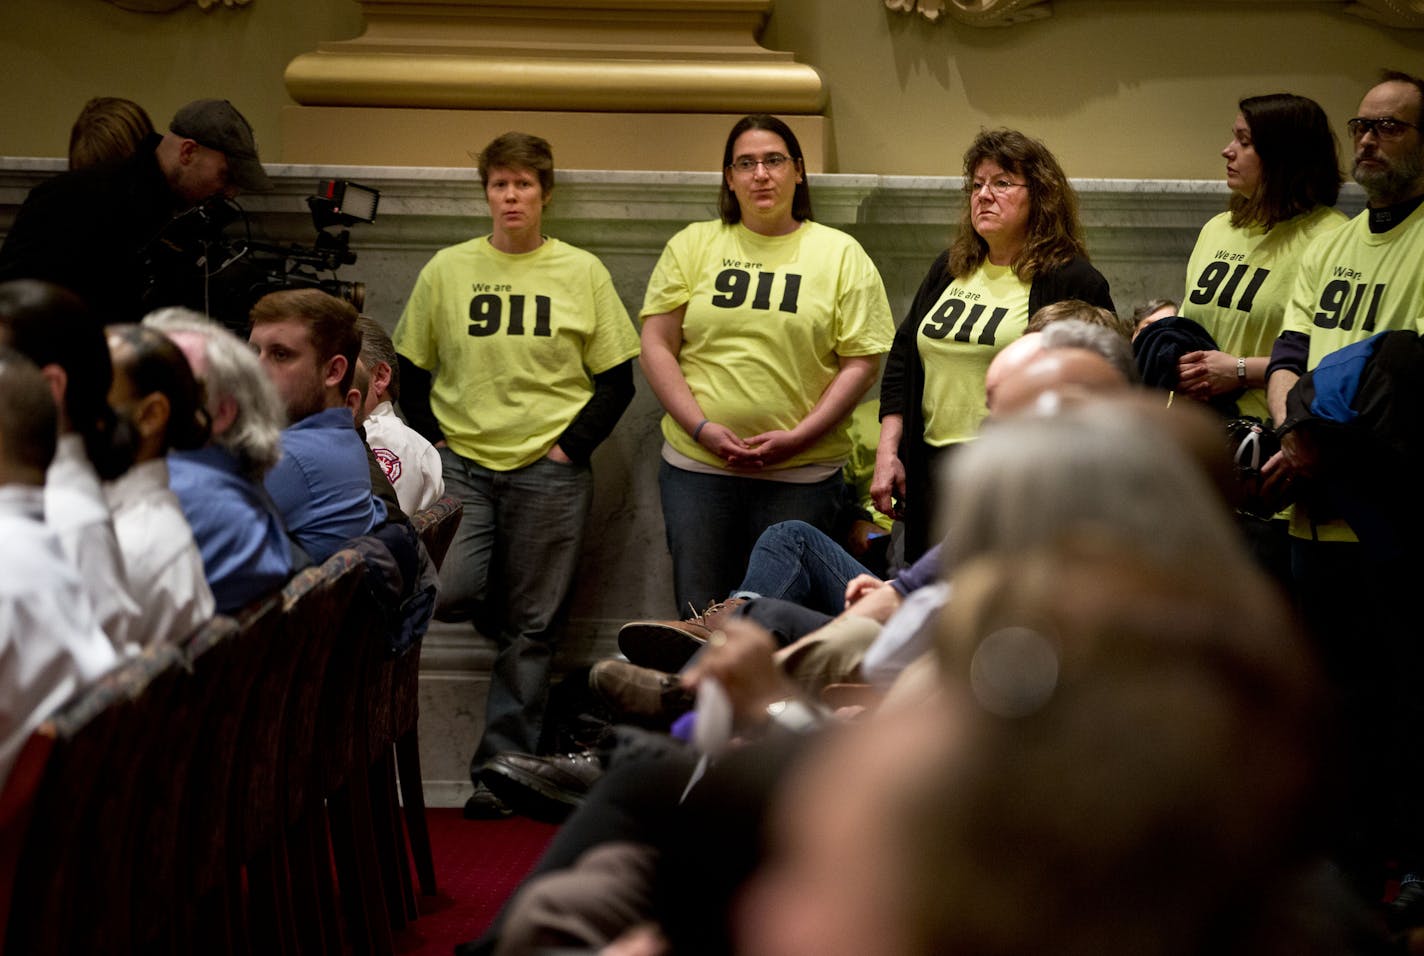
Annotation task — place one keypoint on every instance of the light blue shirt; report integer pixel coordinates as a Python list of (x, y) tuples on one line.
[(322, 485), (241, 537)]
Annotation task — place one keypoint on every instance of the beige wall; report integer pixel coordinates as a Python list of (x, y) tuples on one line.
[(1118, 88), (59, 53)]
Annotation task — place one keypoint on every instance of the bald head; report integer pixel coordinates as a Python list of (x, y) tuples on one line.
[(1067, 372), (1009, 360)]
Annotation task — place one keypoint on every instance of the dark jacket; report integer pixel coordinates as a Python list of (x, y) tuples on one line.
[(1158, 351), (1362, 406), (89, 230), (902, 390)]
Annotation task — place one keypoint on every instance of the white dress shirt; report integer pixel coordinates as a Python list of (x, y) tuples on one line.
[(410, 462), (51, 645), (75, 510), (164, 567)]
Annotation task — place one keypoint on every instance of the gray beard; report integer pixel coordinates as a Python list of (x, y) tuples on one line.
[(1399, 182)]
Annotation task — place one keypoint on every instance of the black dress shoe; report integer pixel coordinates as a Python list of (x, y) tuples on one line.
[(484, 805), (1406, 911), (545, 788)]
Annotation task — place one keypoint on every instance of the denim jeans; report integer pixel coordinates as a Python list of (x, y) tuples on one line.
[(796, 562), (510, 567), (713, 522)]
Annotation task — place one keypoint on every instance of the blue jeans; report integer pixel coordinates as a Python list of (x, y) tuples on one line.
[(713, 522), (510, 567), (796, 562)]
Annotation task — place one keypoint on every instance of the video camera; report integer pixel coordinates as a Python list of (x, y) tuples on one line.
[(196, 248)]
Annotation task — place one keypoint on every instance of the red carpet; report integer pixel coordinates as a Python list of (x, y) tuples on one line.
[(478, 863)]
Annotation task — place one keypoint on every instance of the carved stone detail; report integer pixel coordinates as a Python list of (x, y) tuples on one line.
[(977, 13), (1003, 13), (1394, 13)]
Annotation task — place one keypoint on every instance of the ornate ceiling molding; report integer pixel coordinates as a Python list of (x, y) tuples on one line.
[(168, 6), (977, 13), (1408, 14)]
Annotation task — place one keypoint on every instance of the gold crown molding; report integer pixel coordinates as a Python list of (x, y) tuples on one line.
[(576, 55), (454, 82), (1003, 13)]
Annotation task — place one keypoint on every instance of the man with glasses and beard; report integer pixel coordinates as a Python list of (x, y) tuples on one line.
[(1361, 279)]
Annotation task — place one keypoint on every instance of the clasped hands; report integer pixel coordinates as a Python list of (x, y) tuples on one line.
[(749, 454)]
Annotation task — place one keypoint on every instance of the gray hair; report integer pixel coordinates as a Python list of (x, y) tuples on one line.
[(1099, 467), (376, 346), (1110, 344), (233, 372)]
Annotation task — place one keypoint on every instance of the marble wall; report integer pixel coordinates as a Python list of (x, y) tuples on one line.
[(1140, 233)]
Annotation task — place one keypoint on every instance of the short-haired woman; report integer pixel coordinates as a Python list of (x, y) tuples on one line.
[(516, 362)]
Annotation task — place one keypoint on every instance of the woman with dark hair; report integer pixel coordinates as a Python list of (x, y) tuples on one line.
[(1284, 174), (1019, 247), (160, 404), (53, 328), (761, 331)]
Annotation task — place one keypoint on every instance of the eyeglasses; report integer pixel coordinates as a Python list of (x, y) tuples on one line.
[(1385, 128), (772, 162), (996, 188)]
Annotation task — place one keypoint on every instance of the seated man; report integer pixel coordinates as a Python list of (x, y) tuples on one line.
[(156, 397), (239, 533), (816, 646), (53, 328), (307, 343), (410, 462), (793, 562), (50, 642)]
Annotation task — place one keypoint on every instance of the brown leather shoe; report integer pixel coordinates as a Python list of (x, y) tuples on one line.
[(667, 645), (639, 695)]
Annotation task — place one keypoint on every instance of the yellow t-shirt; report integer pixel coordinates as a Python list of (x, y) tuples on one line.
[(1239, 280), (1353, 284), (513, 342), (767, 320), (974, 317)]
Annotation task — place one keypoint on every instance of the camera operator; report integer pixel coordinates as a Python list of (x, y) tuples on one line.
[(115, 233)]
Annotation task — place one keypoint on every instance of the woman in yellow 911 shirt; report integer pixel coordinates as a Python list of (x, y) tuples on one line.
[(761, 332), (516, 361), (1284, 174)]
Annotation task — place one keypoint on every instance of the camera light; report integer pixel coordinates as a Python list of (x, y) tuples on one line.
[(353, 202)]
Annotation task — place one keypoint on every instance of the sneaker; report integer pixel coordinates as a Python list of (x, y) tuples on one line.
[(639, 695), (545, 788), (484, 805), (667, 645)]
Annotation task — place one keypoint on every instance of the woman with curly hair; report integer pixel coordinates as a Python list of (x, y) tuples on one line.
[(1019, 247)]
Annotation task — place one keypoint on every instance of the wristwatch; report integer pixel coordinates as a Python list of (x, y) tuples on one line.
[(794, 715), (1241, 369)]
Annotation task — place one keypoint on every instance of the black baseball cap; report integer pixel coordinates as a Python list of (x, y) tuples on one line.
[(218, 125)]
